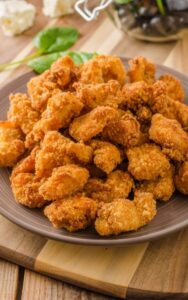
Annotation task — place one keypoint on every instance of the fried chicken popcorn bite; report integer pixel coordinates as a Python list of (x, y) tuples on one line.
[(174, 87), (123, 215), (41, 89), (64, 71), (181, 178), (168, 107), (101, 94), (147, 162), (124, 131), (91, 124), (11, 144), (73, 214), (22, 113), (101, 69), (162, 188), (57, 150), (136, 95), (141, 69), (64, 181), (106, 155), (59, 112), (25, 185), (117, 185), (170, 136)]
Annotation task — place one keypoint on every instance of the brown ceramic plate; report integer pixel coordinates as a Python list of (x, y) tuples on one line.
[(171, 216)]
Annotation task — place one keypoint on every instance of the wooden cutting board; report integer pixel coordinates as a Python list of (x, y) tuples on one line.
[(155, 270)]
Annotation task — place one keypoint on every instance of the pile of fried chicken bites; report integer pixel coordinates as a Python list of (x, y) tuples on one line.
[(96, 144)]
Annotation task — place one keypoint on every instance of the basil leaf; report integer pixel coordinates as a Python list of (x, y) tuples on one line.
[(55, 39), (123, 1), (43, 63)]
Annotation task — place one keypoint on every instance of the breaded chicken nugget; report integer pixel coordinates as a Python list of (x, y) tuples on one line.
[(117, 185), (93, 95), (170, 136), (102, 69), (91, 124), (22, 113), (63, 71), (174, 87), (144, 114), (57, 150), (73, 213), (161, 188), (147, 162), (168, 107), (141, 69), (59, 112), (41, 89), (123, 215), (91, 72), (63, 182), (11, 144), (124, 131), (106, 155), (25, 185), (112, 68), (181, 178), (136, 95)]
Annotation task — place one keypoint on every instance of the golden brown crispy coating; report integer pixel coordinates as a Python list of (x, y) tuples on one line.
[(63, 71), (41, 89), (102, 69), (93, 95), (117, 185), (144, 114), (60, 110), (57, 150), (106, 155), (168, 107), (136, 95), (147, 162), (22, 113), (170, 136), (25, 185), (64, 181), (91, 124), (141, 69), (174, 87), (181, 178), (161, 188), (123, 215), (112, 68), (124, 131), (11, 144), (73, 214), (91, 72)]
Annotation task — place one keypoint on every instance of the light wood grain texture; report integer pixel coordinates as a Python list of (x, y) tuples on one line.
[(19, 245), (39, 287), (8, 280), (92, 266)]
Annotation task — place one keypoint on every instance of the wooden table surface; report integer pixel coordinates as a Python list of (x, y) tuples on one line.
[(100, 35)]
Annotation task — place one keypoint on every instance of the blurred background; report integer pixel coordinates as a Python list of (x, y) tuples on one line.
[(122, 27)]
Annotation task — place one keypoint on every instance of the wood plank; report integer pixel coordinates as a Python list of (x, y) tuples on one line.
[(9, 274), (91, 267), (163, 272), (18, 245), (39, 287)]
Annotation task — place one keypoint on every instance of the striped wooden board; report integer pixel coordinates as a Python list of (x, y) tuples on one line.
[(158, 269)]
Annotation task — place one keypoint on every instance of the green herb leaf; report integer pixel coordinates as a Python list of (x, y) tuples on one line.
[(43, 63), (55, 39), (123, 1)]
